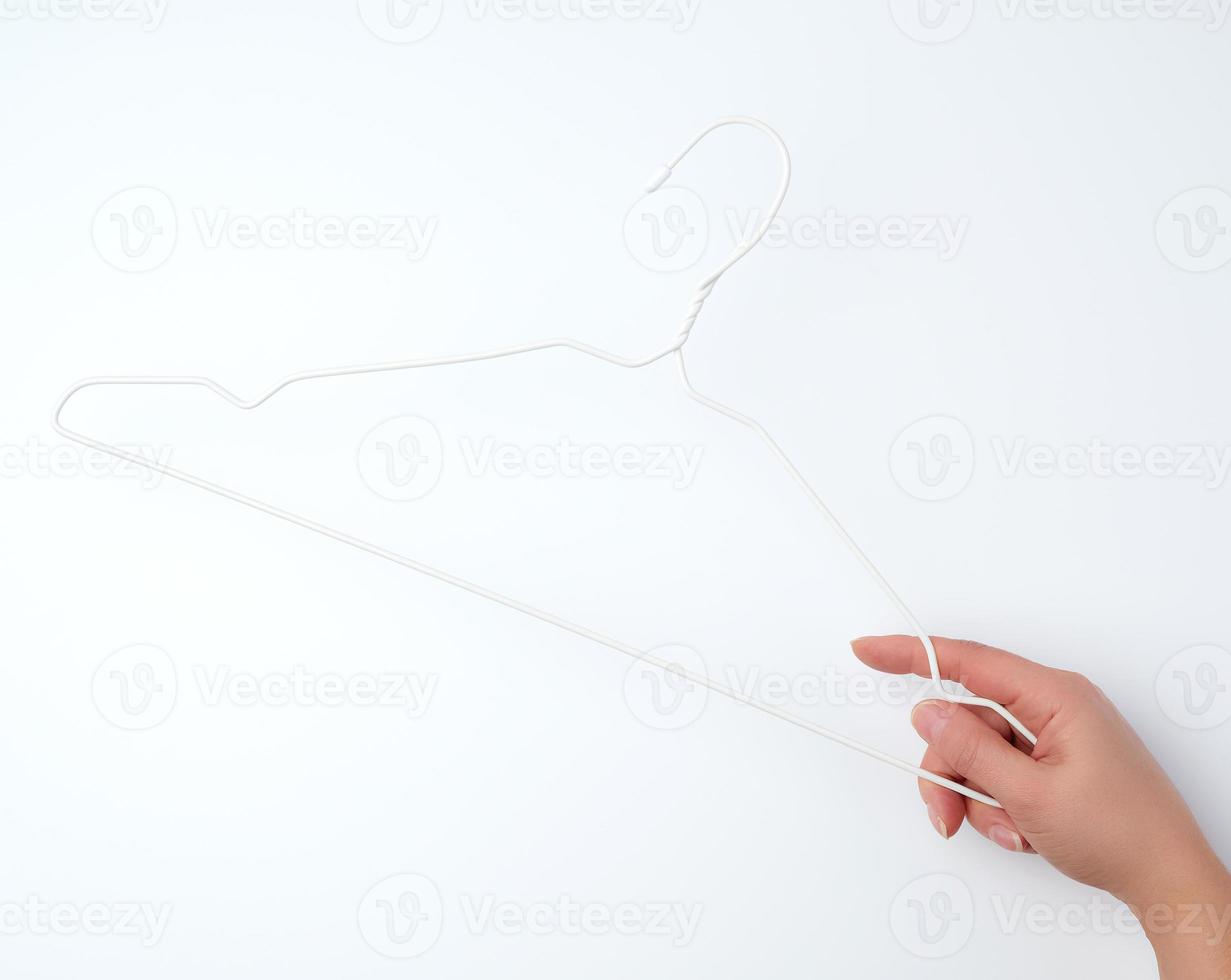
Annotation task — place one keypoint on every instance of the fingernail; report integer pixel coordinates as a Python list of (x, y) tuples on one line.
[(1006, 839), (929, 717), (938, 824)]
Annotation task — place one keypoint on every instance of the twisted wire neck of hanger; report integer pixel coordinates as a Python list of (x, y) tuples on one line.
[(664, 173)]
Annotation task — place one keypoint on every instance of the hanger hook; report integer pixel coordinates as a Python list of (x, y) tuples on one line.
[(663, 174)]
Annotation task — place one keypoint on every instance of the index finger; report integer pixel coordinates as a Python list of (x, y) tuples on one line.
[(1026, 688)]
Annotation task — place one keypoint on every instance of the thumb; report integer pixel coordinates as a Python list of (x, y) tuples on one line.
[(974, 749)]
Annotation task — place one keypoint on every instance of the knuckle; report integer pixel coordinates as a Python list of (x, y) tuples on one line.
[(1081, 686)]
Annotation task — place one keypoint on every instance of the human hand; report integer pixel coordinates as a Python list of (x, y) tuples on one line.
[(1088, 797)]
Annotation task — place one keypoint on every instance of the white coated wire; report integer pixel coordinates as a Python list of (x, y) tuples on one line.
[(676, 348)]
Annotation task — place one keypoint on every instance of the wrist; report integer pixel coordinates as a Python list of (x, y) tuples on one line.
[(1185, 912)]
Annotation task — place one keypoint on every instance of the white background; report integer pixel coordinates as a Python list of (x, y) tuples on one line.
[(1057, 143)]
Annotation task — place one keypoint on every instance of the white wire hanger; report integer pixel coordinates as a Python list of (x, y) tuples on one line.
[(675, 349)]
